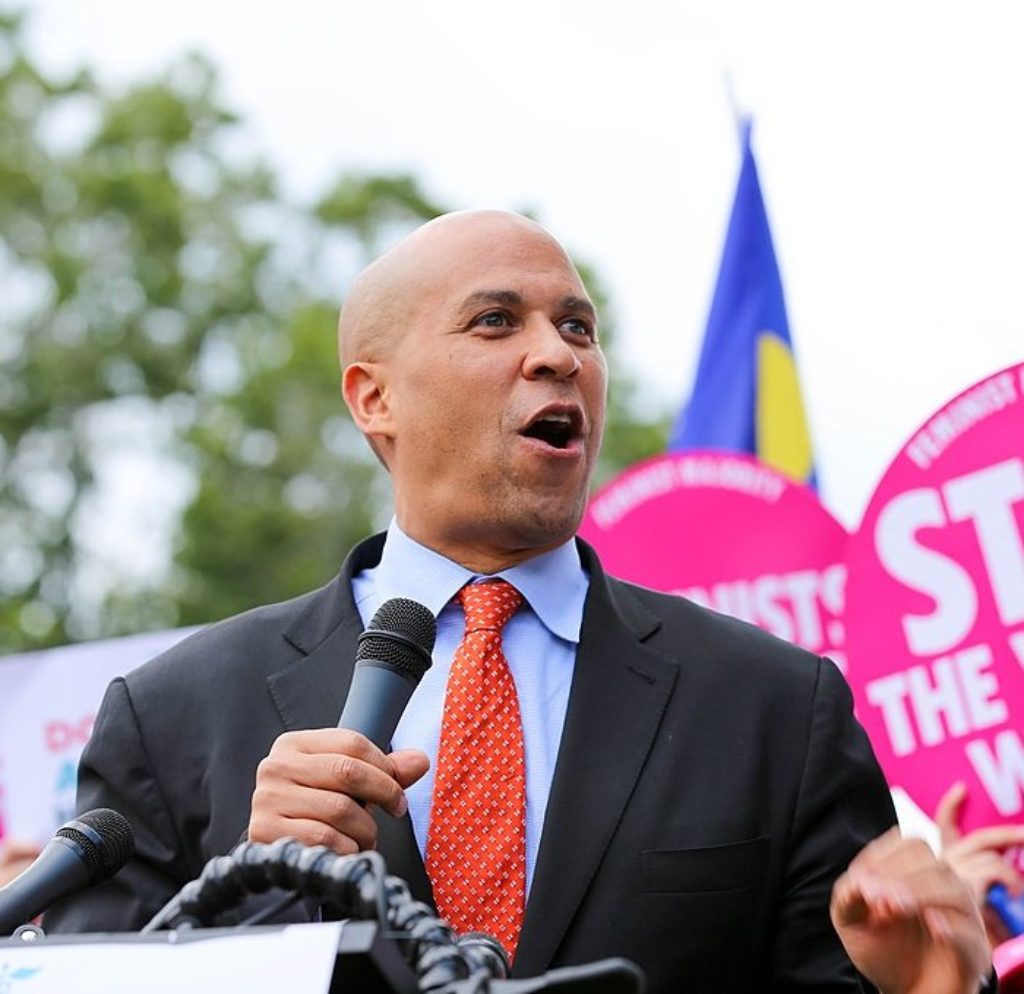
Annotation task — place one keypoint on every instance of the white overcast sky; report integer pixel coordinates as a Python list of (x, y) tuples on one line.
[(888, 134)]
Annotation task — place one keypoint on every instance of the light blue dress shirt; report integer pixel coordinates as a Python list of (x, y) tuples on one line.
[(539, 643)]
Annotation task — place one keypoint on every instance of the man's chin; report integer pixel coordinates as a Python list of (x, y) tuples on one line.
[(544, 525)]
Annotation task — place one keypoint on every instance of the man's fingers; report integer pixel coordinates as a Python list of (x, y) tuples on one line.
[(863, 889), (890, 857), (312, 833), (340, 759), (916, 892), (340, 774), (342, 741), (848, 904), (947, 814), (314, 817), (894, 878), (409, 765)]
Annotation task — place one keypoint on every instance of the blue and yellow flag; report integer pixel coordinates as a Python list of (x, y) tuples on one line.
[(746, 395)]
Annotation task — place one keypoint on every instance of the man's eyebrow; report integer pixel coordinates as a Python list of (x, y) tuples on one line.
[(480, 297), (579, 305)]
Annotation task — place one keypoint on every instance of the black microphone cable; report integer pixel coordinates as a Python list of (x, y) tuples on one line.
[(357, 885)]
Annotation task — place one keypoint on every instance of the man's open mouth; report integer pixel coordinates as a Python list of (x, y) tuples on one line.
[(558, 427)]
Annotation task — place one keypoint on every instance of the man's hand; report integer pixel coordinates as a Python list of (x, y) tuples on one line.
[(909, 923), (316, 786)]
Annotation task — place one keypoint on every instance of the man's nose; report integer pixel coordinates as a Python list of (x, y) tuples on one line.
[(549, 354)]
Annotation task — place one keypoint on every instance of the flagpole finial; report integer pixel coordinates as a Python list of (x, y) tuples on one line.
[(740, 117)]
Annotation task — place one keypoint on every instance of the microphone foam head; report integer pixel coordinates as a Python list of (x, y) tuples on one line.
[(104, 838), (401, 634)]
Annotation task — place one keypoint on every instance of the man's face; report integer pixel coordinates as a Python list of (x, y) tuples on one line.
[(497, 394)]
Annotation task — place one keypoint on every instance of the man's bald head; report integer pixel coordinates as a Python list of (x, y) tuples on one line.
[(386, 295)]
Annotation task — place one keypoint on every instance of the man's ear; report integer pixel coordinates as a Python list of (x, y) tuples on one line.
[(364, 390)]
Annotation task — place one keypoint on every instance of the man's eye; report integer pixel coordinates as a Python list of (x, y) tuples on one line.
[(577, 326), (493, 319)]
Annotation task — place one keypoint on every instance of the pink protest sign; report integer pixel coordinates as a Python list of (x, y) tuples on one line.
[(731, 533), (935, 606)]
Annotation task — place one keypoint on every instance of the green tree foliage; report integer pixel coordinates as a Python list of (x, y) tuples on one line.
[(164, 305)]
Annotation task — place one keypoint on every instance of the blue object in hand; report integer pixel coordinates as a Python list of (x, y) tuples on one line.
[(1010, 909)]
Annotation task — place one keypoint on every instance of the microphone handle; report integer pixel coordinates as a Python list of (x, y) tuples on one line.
[(57, 871), (376, 700)]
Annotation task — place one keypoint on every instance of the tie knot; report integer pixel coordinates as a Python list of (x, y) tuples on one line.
[(489, 605)]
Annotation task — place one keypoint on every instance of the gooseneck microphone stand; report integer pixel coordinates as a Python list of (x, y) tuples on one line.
[(359, 887)]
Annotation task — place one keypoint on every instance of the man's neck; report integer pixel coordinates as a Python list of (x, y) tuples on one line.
[(481, 558)]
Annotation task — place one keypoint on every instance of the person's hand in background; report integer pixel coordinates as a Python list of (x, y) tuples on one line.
[(15, 857), (980, 857)]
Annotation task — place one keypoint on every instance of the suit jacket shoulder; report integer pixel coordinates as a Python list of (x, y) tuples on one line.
[(177, 741)]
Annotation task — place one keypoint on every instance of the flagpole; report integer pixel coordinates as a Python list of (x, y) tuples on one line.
[(740, 119)]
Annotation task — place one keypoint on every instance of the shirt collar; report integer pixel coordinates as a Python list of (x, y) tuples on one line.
[(554, 584)]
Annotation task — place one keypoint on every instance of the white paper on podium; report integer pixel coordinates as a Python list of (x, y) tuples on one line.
[(298, 959)]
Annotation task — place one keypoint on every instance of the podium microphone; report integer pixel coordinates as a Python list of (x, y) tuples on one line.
[(393, 654), (83, 853)]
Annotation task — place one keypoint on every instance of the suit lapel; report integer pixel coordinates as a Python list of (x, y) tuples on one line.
[(619, 693), (310, 693)]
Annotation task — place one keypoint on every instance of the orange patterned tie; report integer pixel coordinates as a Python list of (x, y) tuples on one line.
[(476, 849)]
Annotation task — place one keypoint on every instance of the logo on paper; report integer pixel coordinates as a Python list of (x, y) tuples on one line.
[(10, 980)]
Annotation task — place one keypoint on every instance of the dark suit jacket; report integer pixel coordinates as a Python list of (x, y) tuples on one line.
[(710, 785)]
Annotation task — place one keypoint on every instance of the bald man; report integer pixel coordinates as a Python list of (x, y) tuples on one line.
[(692, 787)]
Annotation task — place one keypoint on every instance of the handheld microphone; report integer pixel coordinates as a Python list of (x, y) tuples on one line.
[(84, 852), (393, 654)]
